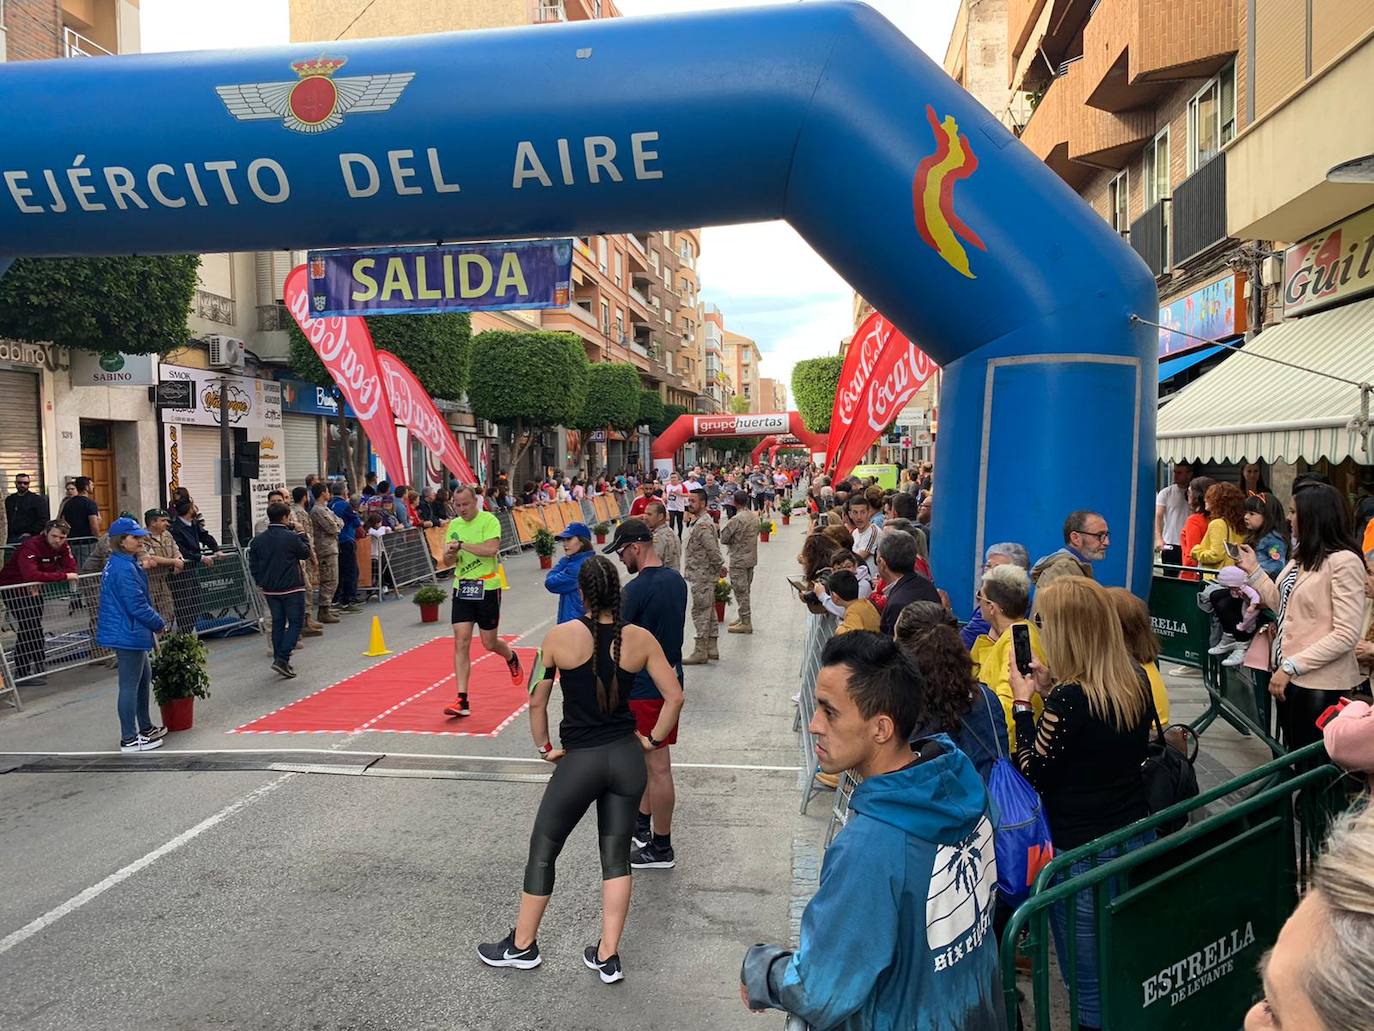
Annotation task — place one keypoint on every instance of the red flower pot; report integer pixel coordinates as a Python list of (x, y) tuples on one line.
[(429, 613), (787, 520), (720, 612), (600, 538), (545, 561), (763, 536), (176, 714)]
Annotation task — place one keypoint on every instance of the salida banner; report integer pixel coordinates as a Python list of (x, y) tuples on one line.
[(431, 280), (882, 372), (345, 347), (414, 407)]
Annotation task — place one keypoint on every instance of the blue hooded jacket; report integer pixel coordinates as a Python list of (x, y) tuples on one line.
[(899, 934), (127, 619), (562, 581)]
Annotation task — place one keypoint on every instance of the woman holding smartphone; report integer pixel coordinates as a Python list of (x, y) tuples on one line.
[(1319, 597), (1226, 529)]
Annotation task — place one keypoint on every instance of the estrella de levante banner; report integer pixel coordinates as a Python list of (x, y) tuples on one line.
[(346, 349), (895, 372), (523, 274), (414, 407)]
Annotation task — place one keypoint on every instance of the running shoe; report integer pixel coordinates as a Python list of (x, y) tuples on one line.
[(643, 832), (608, 969), (153, 733), (458, 707), (139, 743), (653, 856), (505, 954), (517, 675), (1226, 645), (283, 669)]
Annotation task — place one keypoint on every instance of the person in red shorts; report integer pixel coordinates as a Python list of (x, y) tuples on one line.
[(656, 599)]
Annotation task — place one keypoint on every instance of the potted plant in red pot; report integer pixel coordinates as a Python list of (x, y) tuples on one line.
[(765, 528), (544, 543), (601, 529), (429, 598), (723, 593), (785, 506), (180, 676)]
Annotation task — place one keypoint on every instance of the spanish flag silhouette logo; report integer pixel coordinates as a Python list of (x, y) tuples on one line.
[(932, 193)]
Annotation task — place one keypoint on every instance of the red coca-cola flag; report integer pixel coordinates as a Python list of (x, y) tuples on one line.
[(867, 345), (345, 346), (415, 409), (902, 369)]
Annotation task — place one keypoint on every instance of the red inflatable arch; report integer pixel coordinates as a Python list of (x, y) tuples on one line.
[(685, 427)]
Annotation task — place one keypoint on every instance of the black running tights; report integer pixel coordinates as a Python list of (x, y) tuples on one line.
[(613, 776)]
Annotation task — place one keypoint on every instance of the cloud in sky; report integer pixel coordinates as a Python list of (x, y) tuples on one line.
[(766, 279)]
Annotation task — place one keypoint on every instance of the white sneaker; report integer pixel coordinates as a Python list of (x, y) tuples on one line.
[(1191, 672), (1223, 647), (139, 743), (1235, 658)]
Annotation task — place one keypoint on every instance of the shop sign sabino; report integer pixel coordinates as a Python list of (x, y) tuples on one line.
[(1330, 267), (112, 369)]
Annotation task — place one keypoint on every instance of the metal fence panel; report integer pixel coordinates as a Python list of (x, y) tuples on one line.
[(406, 559), (510, 539), (588, 512), (819, 629)]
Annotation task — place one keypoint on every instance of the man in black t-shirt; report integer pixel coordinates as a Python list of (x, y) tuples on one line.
[(656, 599), (26, 513), (81, 512)]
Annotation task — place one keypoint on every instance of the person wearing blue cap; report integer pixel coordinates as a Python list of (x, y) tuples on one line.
[(562, 578), (126, 625)]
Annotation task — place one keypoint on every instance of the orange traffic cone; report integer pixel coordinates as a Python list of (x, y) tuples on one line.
[(377, 645)]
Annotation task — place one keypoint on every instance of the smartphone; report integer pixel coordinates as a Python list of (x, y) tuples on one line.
[(1232, 550), (1021, 644)]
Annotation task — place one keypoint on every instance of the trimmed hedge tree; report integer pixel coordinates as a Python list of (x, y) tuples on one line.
[(134, 305), (670, 416), (527, 381), (612, 398), (650, 410), (814, 383)]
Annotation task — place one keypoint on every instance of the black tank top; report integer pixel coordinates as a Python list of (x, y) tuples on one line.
[(584, 724)]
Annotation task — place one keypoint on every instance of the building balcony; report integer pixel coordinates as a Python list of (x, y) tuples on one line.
[(1134, 49), (74, 44), (1150, 237), (214, 308), (1040, 35), (550, 11), (1199, 214), (1074, 139), (584, 10)]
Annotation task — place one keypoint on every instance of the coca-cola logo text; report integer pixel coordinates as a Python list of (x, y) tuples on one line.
[(851, 392), (888, 394), (329, 338)]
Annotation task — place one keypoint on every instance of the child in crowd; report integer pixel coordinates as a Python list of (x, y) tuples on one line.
[(859, 613), (845, 561), (1235, 608), (1268, 526)]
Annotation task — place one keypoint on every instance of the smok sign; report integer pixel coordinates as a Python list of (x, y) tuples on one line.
[(741, 425), (1331, 267)]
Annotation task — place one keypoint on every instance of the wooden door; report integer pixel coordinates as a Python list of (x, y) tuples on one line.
[(98, 464)]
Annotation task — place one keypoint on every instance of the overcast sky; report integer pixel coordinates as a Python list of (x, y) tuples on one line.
[(768, 282)]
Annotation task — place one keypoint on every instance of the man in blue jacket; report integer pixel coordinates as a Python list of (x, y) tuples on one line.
[(274, 559), (899, 934), (342, 506)]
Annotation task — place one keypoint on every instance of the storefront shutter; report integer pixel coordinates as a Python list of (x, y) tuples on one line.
[(302, 435), (21, 435), (199, 472)]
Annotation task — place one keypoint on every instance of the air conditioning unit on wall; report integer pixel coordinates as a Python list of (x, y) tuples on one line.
[(225, 353)]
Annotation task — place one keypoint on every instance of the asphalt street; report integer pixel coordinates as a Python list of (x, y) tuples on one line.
[(270, 898)]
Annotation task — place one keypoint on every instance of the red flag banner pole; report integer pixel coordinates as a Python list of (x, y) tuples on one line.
[(415, 409), (902, 369), (345, 347), (866, 348)]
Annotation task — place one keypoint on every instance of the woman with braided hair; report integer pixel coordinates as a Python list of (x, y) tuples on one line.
[(601, 760)]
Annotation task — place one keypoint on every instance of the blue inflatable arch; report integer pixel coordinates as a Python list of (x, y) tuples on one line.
[(822, 114)]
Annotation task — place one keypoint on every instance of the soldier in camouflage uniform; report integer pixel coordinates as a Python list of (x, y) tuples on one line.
[(326, 526), (299, 520), (161, 558), (701, 568), (666, 543), (740, 535)]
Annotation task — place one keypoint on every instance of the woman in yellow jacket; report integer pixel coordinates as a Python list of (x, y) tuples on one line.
[(1226, 508), (1004, 597)]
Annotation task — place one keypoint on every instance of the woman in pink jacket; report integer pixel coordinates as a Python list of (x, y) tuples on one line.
[(1319, 598)]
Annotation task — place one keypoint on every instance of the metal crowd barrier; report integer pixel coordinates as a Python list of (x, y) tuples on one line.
[(47, 628), (510, 539), (1183, 921), (405, 558), (588, 512), (819, 629)]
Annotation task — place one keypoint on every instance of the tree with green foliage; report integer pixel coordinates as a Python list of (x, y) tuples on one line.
[(135, 305), (814, 384), (527, 381), (671, 414), (612, 398), (650, 410), (435, 347), (739, 404)]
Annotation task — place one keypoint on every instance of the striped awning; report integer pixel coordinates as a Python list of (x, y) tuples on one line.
[(1248, 408)]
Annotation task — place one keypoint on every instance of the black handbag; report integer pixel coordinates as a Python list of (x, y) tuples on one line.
[(1167, 769)]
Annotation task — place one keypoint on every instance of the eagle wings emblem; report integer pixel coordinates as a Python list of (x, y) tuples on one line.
[(317, 102)]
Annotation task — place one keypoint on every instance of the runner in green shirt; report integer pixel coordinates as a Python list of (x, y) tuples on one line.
[(473, 544)]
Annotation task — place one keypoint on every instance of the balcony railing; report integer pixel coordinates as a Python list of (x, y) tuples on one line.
[(271, 317), (214, 308), (76, 45), (551, 10), (635, 293), (1150, 237), (1200, 210)]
